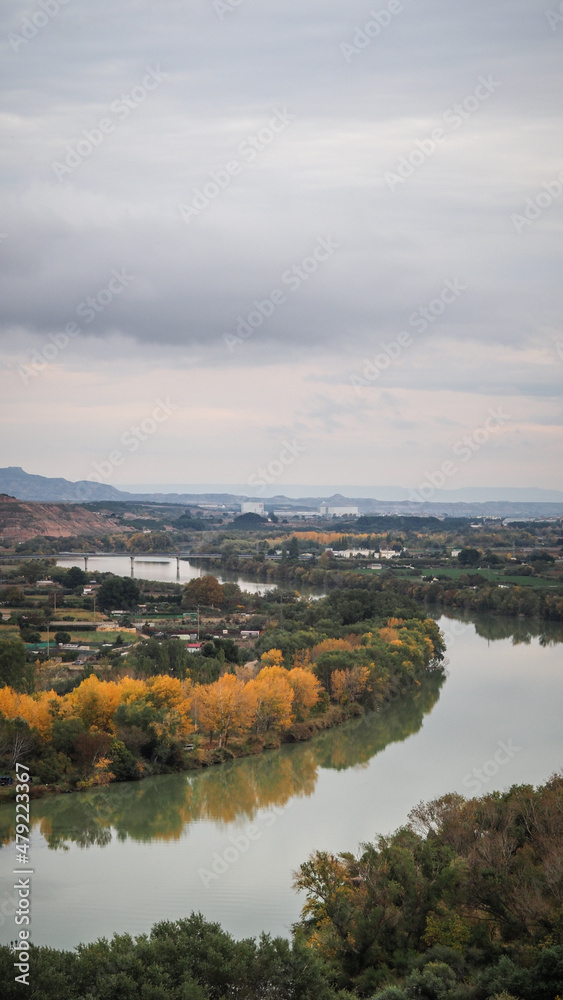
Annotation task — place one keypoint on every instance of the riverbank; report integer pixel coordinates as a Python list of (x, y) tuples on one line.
[(142, 719), (338, 790), (211, 756), (469, 591)]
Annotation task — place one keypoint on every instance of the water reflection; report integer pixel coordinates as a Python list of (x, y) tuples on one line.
[(356, 743), (163, 570), (520, 630), (162, 808)]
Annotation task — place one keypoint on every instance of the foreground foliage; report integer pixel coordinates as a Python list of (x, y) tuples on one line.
[(463, 902), (187, 960)]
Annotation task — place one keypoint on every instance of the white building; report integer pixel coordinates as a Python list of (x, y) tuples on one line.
[(351, 553), (289, 513), (326, 511), (252, 507)]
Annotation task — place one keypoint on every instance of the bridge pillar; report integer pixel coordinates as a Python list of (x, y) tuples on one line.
[(85, 564), (132, 558)]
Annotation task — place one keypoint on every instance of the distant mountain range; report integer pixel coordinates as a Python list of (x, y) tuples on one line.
[(471, 502), (471, 494), (17, 483)]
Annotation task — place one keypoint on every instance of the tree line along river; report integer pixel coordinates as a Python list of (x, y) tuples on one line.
[(225, 841)]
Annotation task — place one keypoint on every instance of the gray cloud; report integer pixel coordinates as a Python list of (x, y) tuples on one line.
[(349, 121)]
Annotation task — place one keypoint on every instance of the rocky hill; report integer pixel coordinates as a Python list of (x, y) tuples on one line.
[(20, 521)]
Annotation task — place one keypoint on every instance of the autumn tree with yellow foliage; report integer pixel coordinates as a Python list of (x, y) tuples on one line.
[(224, 707), (272, 658), (273, 699), (117, 729), (349, 685), (306, 691)]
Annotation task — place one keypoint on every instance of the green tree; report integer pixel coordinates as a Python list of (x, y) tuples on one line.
[(32, 570), (327, 663), (13, 669), (205, 669), (293, 549), (246, 522), (65, 733), (75, 577), (12, 596), (154, 656), (232, 596), (227, 647), (123, 764), (468, 557), (62, 638), (30, 634), (190, 959), (118, 592)]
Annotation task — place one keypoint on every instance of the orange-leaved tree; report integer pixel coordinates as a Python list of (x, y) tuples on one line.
[(274, 697), (389, 634), (224, 707), (94, 702), (330, 646), (272, 658), (306, 689), (173, 697), (35, 710), (302, 658), (349, 685)]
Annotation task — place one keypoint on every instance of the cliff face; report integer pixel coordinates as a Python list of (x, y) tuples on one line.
[(21, 521)]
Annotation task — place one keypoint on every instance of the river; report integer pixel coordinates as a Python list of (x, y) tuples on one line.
[(225, 841), (161, 569)]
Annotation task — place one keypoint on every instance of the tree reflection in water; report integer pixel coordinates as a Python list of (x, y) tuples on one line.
[(520, 630), (162, 808)]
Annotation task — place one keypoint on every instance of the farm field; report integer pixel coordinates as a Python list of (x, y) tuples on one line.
[(84, 636), (455, 573)]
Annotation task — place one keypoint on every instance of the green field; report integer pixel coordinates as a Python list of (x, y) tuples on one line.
[(454, 573), (78, 614), (84, 637), (9, 631)]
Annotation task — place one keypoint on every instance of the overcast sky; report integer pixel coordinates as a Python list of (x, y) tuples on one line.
[(321, 240)]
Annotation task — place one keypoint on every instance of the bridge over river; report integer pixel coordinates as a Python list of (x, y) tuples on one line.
[(138, 555), (178, 556)]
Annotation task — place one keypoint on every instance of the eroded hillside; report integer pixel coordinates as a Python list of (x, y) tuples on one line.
[(21, 521)]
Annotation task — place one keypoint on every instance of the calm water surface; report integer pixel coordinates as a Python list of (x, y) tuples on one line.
[(225, 841), (163, 570)]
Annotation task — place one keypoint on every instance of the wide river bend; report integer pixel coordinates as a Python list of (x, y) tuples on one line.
[(225, 841)]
